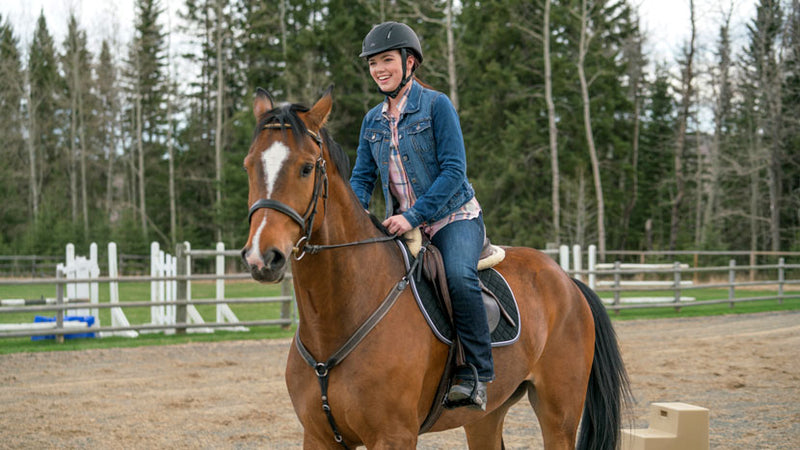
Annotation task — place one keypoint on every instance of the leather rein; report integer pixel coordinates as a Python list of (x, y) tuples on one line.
[(306, 222)]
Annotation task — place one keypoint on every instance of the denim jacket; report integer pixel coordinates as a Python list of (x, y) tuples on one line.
[(432, 151)]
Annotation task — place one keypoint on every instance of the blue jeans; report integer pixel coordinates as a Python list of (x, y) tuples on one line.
[(460, 244)]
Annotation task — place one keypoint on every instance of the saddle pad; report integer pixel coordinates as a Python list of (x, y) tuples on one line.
[(504, 334)]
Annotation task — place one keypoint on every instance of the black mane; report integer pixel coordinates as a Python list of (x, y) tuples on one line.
[(287, 116)]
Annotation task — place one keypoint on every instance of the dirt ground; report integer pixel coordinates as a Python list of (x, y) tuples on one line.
[(745, 369)]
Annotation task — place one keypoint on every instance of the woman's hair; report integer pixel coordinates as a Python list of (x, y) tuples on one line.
[(416, 66), (422, 83)]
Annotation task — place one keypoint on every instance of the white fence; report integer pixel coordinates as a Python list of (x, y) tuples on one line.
[(619, 278), (172, 309)]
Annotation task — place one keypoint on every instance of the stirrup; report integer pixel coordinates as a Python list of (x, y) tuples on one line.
[(471, 401)]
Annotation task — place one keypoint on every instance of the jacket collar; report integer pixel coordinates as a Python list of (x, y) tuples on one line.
[(414, 98)]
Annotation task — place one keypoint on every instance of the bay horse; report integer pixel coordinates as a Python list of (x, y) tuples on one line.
[(381, 364)]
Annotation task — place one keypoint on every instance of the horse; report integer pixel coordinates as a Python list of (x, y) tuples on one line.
[(381, 364)]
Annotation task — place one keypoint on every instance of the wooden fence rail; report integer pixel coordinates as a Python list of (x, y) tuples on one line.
[(675, 279)]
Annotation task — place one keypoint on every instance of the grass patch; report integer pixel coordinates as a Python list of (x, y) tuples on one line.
[(687, 310), (140, 292)]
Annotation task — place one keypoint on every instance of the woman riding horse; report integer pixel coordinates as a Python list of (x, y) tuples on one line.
[(364, 367), (413, 139)]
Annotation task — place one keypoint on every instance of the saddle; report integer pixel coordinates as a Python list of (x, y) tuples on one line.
[(432, 266)]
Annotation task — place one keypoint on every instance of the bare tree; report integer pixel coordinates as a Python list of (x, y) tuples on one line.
[(173, 213), (551, 118), (544, 38), (218, 127), (721, 84), (634, 55), (686, 93), (30, 144), (445, 22), (583, 47)]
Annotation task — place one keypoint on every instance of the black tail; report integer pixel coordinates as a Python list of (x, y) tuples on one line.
[(609, 390)]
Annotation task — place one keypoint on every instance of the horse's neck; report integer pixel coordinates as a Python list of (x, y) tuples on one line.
[(337, 289)]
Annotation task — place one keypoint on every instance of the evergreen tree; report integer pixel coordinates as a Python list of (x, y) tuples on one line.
[(763, 65), (790, 218), (146, 88), (44, 121), (76, 64), (108, 127), (655, 163), (13, 172)]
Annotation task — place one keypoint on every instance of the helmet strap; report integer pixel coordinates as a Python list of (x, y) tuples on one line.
[(404, 81)]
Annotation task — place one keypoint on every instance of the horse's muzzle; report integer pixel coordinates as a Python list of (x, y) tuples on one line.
[(267, 268)]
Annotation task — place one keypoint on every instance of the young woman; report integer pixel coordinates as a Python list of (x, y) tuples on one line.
[(413, 141)]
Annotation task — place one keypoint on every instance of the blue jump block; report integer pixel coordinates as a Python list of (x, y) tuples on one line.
[(89, 320)]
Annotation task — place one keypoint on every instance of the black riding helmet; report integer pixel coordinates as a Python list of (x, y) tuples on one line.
[(393, 36)]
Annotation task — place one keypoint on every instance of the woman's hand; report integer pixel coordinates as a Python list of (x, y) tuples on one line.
[(397, 224)]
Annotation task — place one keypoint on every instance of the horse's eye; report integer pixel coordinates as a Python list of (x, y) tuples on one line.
[(306, 170)]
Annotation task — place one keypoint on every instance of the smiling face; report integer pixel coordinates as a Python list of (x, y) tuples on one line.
[(387, 70)]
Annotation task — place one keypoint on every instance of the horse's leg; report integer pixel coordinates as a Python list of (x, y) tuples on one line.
[(487, 433), (557, 399), (312, 442)]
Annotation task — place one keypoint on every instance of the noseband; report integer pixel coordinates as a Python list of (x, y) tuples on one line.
[(306, 221)]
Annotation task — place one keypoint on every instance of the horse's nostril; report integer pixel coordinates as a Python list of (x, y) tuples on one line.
[(274, 259)]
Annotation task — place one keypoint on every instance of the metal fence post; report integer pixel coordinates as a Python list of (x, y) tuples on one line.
[(180, 288), (732, 281), (781, 279)]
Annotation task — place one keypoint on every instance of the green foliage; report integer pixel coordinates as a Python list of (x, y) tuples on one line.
[(297, 48)]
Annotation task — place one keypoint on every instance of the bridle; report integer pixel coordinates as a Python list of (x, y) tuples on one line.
[(306, 221)]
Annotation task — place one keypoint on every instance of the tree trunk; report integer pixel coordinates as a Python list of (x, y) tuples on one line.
[(284, 40), (218, 127), (73, 138), (83, 150), (451, 55), (31, 146), (721, 109), (680, 144), (111, 141), (700, 189), (587, 123), (173, 213), (553, 129), (140, 169)]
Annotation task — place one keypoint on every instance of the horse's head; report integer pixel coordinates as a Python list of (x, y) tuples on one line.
[(288, 182)]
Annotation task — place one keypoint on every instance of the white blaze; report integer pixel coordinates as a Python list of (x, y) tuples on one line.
[(273, 159)]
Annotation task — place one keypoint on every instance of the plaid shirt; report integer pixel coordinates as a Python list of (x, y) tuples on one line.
[(398, 178)]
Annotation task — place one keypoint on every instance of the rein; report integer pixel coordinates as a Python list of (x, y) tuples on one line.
[(306, 221), (322, 369)]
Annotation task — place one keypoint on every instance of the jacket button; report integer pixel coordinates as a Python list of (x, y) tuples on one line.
[(405, 157)]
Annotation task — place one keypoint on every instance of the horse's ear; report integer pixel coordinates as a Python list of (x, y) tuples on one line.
[(318, 114), (262, 103)]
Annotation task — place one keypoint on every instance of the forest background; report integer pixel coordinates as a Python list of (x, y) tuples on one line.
[(574, 133)]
